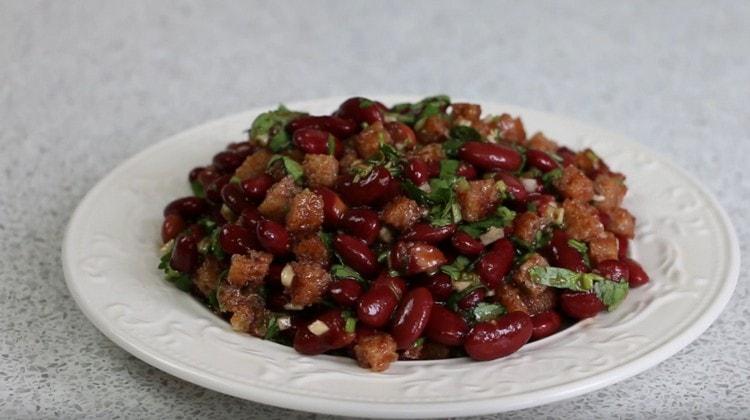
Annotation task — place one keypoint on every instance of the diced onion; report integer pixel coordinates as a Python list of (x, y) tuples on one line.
[(529, 184), (293, 307), (287, 275), (425, 187), (284, 323), (492, 235), (166, 248), (318, 327)]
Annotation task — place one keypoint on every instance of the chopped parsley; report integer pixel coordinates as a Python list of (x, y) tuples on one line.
[(417, 113), (341, 271), (269, 128), (503, 217), (441, 200), (455, 269), (487, 311), (291, 167), (611, 293), (197, 188), (459, 135), (182, 281)]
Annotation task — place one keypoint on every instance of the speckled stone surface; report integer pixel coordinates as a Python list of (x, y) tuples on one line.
[(84, 85)]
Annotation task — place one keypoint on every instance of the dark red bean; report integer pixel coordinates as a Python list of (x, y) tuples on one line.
[(622, 247), (333, 207), (545, 324), (171, 227), (416, 257), (434, 168), (638, 276), (273, 237), (234, 197), (498, 338), (425, 232), (193, 175), (339, 127), (490, 157), (417, 171), (564, 255), (235, 239), (614, 270), (227, 161), (249, 218), (472, 299), (439, 285), (580, 305), (213, 189), (187, 207), (513, 186), (411, 317), (185, 257), (494, 265), (314, 141), (367, 190), (376, 306), (466, 244), (467, 171), (273, 278), (568, 156), (356, 254), (255, 188), (207, 175), (401, 134), (305, 342), (362, 223), (345, 292), (446, 327), (277, 299), (336, 337), (361, 110), (541, 160), (603, 217)]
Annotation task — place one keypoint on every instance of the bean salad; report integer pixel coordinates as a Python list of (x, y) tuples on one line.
[(418, 231)]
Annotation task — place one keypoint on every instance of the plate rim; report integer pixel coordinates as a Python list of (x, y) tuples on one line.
[(389, 409)]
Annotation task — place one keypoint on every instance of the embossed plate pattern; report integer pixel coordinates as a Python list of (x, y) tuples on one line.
[(684, 240)]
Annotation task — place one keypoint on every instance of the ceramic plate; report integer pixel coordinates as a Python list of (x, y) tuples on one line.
[(110, 255)]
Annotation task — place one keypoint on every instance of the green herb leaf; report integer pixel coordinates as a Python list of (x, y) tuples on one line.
[(272, 329), (416, 113), (578, 246), (197, 188), (291, 167), (341, 271), (459, 135), (416, 194), (350, 325), (269, 128), (503, 217), (551, 177), (327, 239), (611, 293), (456, 268), (487, 311), (331, 145)]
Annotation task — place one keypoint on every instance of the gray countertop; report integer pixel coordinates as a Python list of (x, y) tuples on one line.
[(84, 85)]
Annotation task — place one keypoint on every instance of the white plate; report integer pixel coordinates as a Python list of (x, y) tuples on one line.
[(684, 240)]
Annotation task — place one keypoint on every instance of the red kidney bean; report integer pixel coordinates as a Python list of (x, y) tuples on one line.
[(580, 305), (273, 237), (367, 190), (434, 168), (193, 175), (227, 161), (185, 257), (362, 223), (339, 127), (545, 324), (361, 110), (356, 254), (187, 207), (314, 141), (446, 327), (439, 285), (376, 306), (425, 232), (241, 147), (249, 218), (234, 197), (568, 156), (467, 171), (494, 265), (336, 337), (255, 188), (213, 189), (401, 134), (614, 270), (416, 257), (564, 255), (333, 207), (417, 171), (466, 244), (345, 292), (490, 157), (622, 247), (472, 299), (273, 278), (235, 239), (541, 160), (498, 338), (277, 299), (638, 276), (513, 186), (207, 175), (411, 317), (603, 217), (171, 227)]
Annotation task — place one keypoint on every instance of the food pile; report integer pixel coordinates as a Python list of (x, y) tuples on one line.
[(420, 231)]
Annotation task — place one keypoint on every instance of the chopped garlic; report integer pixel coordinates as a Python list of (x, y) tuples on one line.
[(529, 184), (598, 197), (385, 235), (284, 323), (492, 235), (287, 275), (166, 248), (318, 327)]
